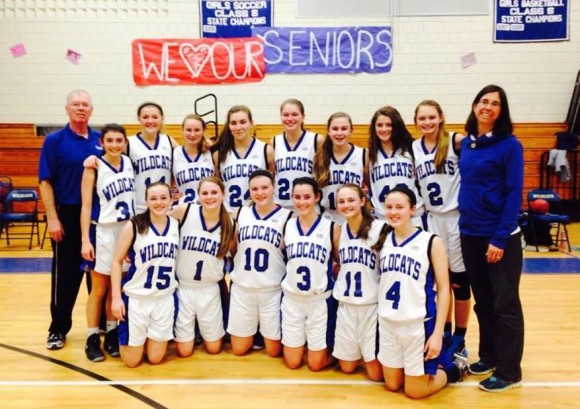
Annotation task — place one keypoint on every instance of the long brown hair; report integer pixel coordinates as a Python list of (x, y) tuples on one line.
[(367, 217), (321, 167), (225, 141), (400, 135), (226, 223), (442, 136), (202, 146), (143, 220)]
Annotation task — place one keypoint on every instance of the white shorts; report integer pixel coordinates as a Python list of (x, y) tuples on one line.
[(446, 226), (106, 236), (203, 303), (403, 346), (250, 307), (356, 332), (308, 322), (147, 319)]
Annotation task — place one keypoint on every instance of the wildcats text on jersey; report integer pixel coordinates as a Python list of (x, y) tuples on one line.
[(341, 176), (158, 250), (402, 264), (294, 163), (156, 161), (237, 171), (309, 250), (391, 169), (264, 233), (192, 174), (356, 254), (428, 168), (118, 186), (201, 244)]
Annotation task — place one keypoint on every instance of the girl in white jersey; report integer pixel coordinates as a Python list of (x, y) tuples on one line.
[(206, 237), (192, 161), (150, 151), (294, 150), (308, 309), (259, 266), (391, 160), (357, 284), (338, 162), (437, 169), (144, 299), (411, 312), (108, 202), (238, 153)]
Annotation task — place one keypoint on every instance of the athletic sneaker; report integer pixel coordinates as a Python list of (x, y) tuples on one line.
[(258, 342), (480, 368), (497, 384), (93, 348), (457, 347), (55, 341), (112, 342)]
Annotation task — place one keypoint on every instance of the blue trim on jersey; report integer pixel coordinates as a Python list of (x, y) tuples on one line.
[(131, 272), (235, 152), (157, 139), (113, 169), (124, 324), (430, 366), (175, 310), (288, 148), (203, 225), (425, 150), (152, 227), (331, 307), (269, 215), (188, 158), (351, 236), (385, 154), (346, 158), (309, 232), (404, 243), (430, 294)]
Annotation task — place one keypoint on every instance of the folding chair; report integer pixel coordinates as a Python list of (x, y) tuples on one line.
[(5, 188), (20, 208), (554, 219)]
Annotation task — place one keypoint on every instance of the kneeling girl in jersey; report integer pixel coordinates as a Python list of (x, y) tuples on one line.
[(357, 284), (108, 202), (411, 312), (259, 266), (308, 309), (206, 237), (144, 300)]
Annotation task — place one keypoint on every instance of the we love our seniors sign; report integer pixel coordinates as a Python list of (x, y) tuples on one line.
[(197, 61)]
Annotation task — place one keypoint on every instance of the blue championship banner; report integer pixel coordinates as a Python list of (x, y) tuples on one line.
[(531, 20), (326, 50), (230, 19)]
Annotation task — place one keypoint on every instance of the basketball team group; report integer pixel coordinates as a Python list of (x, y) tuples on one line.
[(333, 252)]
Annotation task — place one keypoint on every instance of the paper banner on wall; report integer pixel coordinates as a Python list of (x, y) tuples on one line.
[(18, 50), (327, 50), (73, 56), (467, 60), (197, 61), (531, 21)]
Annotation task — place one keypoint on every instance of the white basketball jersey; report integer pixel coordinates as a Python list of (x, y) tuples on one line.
[(149, 164), (406, 287), (388, 172), (188, 171), (153, 258), (309, 254), (235, 172), (349, 170), (114, 198), (358, 278), (197, 264), (440, 190), (292, 163), (259, 260)]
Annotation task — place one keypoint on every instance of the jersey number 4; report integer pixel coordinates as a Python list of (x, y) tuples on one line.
[(394, 294)]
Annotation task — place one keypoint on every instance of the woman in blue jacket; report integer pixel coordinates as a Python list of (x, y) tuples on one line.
[(491, 166)]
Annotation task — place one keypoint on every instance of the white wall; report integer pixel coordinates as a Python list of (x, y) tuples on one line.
[(538, 77)]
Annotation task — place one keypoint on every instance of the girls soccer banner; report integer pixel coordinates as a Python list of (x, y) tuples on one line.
[(199, 61), (229, 19), (531, 20), (326, 50)]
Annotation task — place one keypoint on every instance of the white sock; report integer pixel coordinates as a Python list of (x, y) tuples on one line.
[(111, 325), (93, 330)]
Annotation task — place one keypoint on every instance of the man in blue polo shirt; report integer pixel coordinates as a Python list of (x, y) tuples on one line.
[(60, 174)]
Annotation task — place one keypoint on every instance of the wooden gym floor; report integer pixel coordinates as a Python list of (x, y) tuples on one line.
[(33, 377)]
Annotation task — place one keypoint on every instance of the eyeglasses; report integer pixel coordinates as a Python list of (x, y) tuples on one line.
[(487, 102)]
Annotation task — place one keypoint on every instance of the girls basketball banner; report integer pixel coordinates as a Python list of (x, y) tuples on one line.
[(199, 61), (531, 20), (327, 50)]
